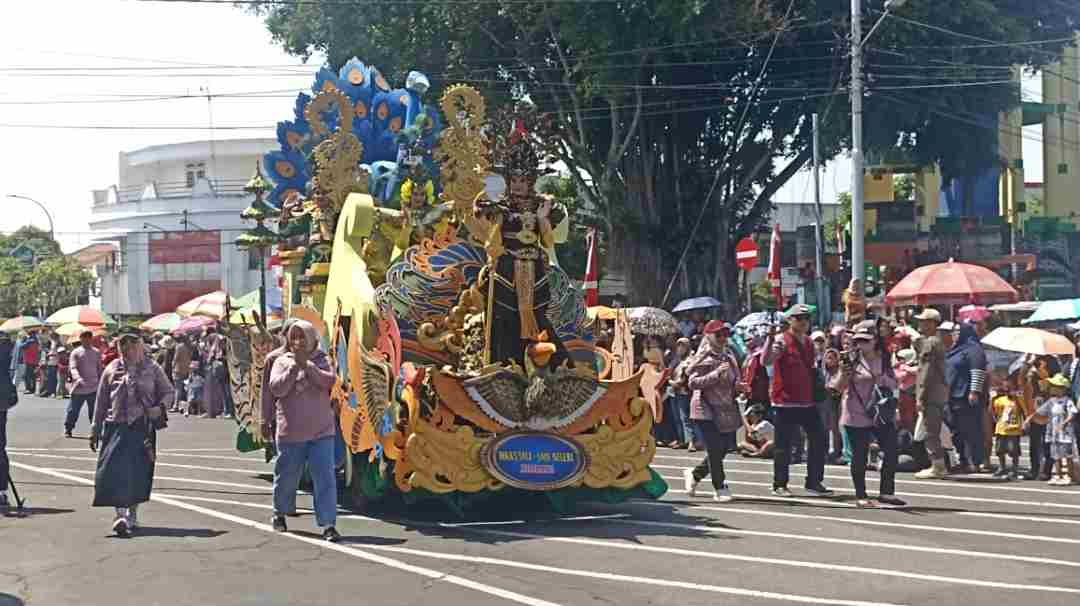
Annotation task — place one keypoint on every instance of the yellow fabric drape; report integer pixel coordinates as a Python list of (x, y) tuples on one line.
[(524, 283)]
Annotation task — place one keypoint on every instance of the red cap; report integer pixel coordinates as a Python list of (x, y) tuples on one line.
[(716, 326)]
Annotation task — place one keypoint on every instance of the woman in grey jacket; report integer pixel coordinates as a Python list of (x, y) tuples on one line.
[(713, 375)]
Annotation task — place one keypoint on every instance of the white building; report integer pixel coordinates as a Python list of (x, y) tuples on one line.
[(175, 214)]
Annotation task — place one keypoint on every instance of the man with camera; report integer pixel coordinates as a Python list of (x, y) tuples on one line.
[(795, 389)]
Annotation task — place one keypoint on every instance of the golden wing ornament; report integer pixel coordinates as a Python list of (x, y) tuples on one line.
[(372, 379)]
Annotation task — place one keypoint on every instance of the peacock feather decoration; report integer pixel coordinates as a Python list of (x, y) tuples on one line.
[(388, 122)]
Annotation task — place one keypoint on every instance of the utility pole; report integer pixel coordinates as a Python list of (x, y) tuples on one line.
[(858, 265), (858, 164), (824, 308)]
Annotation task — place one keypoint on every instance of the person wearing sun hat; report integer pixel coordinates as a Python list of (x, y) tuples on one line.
[(1058, 413), (793, 384), (713, 376), (931, 391), (857, 381)]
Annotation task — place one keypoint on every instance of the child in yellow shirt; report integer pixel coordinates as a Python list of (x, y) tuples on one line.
[(1008, 410)]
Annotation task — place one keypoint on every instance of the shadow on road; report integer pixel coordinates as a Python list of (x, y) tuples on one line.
[(359, 541), (27, 512), (176, 533)]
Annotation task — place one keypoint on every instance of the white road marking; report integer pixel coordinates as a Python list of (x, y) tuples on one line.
[(577, 572), (918, 494), (263, 488), (156, 464), (863, 522), (611, 516), (995, 486), (1003, 516), (856, 543), (862, 570), (358, 553)]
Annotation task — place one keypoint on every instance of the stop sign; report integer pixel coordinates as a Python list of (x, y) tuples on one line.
[(746, 253)]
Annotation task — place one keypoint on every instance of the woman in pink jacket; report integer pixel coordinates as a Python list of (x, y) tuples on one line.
[(300, 382), (713, 374)]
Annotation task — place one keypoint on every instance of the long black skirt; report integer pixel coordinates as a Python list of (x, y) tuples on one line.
[(125, 467)]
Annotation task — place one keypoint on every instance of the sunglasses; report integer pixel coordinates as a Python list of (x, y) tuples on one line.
[(801, 318)]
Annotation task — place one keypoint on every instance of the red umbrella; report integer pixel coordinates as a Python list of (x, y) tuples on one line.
[(951, 284)]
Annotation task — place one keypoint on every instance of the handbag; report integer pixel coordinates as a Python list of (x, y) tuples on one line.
[(882, 405)]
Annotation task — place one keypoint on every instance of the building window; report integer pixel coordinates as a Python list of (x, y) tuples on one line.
[(194, 172)]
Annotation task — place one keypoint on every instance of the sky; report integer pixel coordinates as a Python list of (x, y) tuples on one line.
[(105, 63), (116, 53)]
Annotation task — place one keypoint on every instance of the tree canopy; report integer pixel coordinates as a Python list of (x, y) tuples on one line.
[(677, 112), (52, 282)]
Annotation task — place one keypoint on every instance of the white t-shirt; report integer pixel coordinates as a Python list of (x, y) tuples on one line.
[(763, 430)]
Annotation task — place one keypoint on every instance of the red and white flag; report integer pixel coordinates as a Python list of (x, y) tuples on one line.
[(592, 272), (841, 244), (774, 265)]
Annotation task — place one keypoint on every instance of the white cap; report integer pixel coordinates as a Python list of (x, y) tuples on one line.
[(929, 313), (817, 334), (948, 327)]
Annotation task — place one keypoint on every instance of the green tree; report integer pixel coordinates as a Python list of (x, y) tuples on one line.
[(52, 284), (674, 112)]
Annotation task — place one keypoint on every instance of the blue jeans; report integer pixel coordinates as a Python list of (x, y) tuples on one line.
[(74, 407), (690, 434), (319, 457)]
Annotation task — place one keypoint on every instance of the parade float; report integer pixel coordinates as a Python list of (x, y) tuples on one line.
[(466, 368)]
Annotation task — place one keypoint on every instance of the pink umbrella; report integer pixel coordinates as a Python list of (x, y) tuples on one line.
[(973, 313), (193, 324), (951, 284)]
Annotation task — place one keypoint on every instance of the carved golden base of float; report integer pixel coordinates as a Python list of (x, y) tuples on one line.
[(442, 452)]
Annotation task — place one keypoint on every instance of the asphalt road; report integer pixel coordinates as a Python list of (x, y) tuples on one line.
[(207, 540)]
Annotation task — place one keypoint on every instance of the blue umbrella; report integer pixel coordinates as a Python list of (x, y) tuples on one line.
[(1058, 310), (696, 303)]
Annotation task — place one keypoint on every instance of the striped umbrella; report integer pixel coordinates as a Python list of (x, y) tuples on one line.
[(21, 323), (85, 315), (211, 305), (163, 322), (74, 329)]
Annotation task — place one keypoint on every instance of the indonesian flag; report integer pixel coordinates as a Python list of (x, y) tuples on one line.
[(774, 265), (591, 285)]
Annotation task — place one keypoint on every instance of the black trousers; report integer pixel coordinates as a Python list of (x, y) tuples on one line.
[(788, 421), (1038, 453), (30, 378), (968, 424), (5, 470), (860, 448), (717, 445)]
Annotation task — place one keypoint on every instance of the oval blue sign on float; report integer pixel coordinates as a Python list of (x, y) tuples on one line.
[(534, 460)]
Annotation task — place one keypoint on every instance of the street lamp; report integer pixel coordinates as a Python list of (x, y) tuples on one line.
[(858, 262), (52, 234)]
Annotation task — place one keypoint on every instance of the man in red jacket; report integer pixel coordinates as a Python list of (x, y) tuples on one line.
[(791, 355)]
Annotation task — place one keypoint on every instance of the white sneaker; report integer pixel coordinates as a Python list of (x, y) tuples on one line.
[(689, 483), (133, 518), (120, 526), (723, 495)]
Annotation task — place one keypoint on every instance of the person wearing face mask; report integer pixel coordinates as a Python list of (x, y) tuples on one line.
[(132, 399), (712, 374), (858, 376), (795, 389), (300, 382)]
